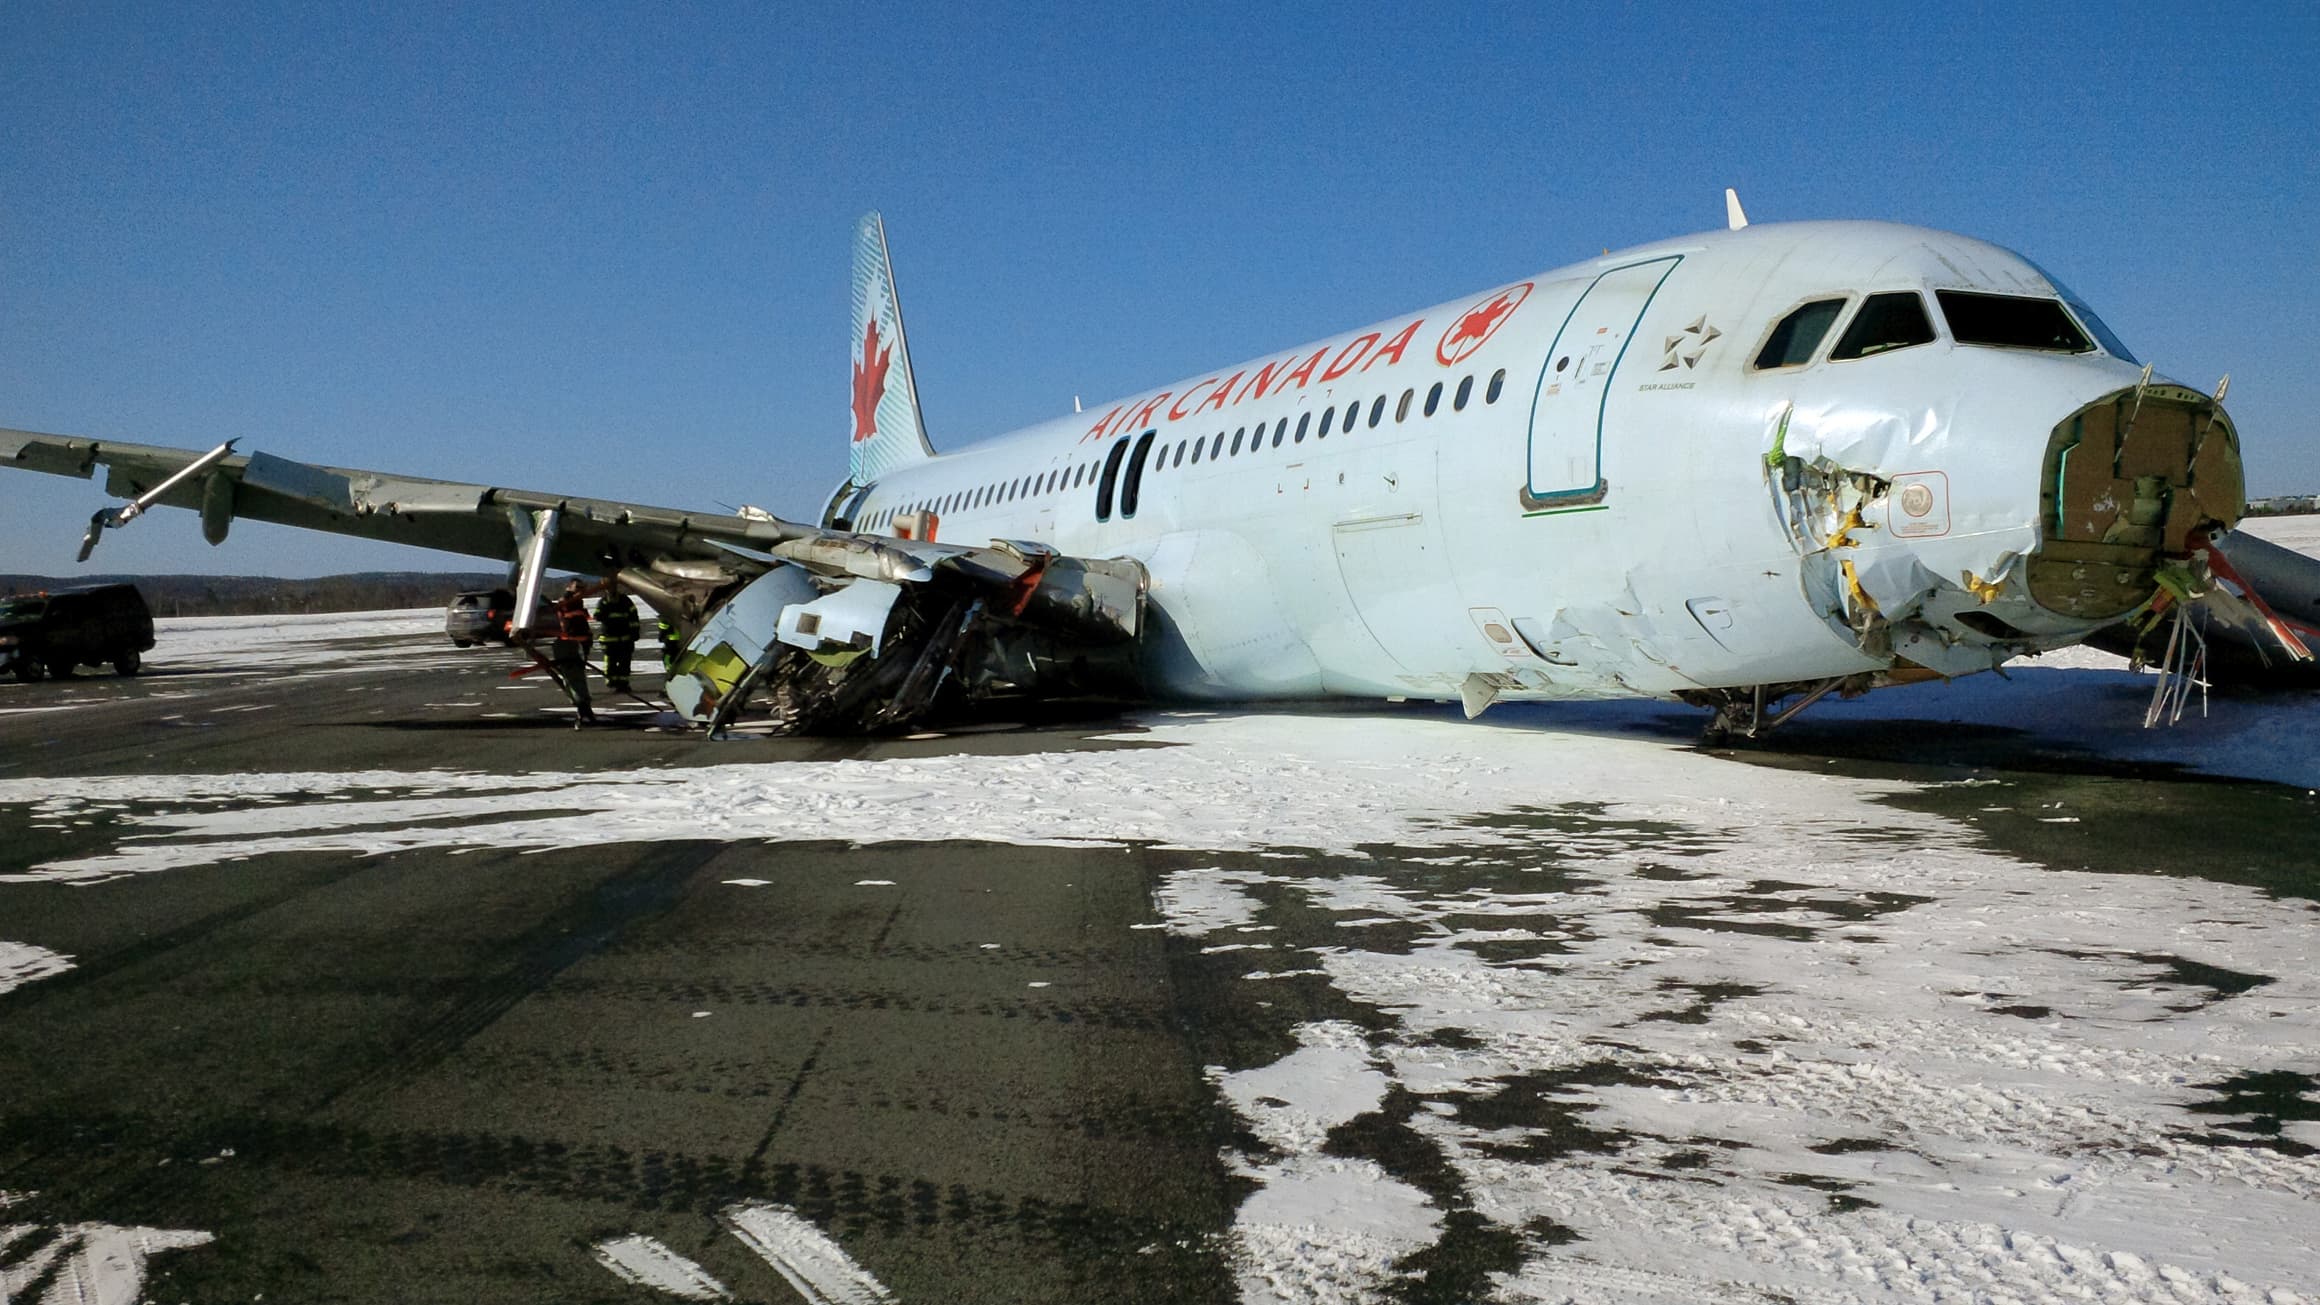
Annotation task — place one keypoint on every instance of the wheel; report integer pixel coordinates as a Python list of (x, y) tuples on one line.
[(30, 671), (127, 662), (61, 668), (463, 643)]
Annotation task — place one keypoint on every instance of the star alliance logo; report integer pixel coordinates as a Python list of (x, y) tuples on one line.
[(1685, 347)]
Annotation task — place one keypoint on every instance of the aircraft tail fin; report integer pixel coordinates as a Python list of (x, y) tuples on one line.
[(888, 431)]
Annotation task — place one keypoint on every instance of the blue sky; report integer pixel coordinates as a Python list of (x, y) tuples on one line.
[(602, 248)]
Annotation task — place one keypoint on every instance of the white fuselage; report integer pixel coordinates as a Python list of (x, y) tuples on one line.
[(1562, 485)]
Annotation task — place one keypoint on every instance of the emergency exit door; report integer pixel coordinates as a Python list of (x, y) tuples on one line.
[(1566, 446)]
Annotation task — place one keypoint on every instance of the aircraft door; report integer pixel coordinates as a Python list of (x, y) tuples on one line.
[(1566, 444)]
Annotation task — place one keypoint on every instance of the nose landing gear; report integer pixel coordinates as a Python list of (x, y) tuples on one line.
[(1746, 715)]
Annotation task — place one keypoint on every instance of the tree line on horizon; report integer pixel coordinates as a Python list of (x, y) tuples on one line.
[(245, 595)]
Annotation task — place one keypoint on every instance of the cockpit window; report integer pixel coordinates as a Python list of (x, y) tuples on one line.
[(1793, 341), (2095, 326), (2011, 322), (1886, 322)]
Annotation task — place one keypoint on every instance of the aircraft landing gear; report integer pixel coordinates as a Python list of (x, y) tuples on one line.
[(1741, 714)]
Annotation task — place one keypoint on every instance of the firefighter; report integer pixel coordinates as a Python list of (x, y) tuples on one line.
[(670, 645), (570, 660), (616, 617)]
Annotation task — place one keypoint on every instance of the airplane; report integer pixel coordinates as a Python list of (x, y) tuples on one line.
[(1742, 469)]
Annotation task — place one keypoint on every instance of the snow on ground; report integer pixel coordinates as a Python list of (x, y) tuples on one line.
[(1675, 1026), (21, 963), (327, 643), (1671, 1026), (2300, 532)]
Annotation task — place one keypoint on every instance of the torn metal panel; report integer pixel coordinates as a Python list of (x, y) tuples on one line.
[(1098, 598), (847, 621), (2242, 642), (732, 643)]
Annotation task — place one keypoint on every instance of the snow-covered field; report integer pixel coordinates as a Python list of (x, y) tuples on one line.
[(1664, 1024), (329, 643)]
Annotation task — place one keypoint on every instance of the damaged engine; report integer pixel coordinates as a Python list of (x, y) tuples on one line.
[(872, 640)]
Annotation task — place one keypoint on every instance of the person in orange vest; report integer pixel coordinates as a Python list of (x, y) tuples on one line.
[(570, 656)]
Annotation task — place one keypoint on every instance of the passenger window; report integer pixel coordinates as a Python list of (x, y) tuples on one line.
[(1236, 445), (1433, 398), (1180, 454), (1328, 418), (1197, 449), (1216, 448), (1303, 419), (2011, 322), (1792, 343), (1377, 412), (1886, 322), (1134, 482), (1402, 409), (1110, 477), (1465, 388), (1497, 383)]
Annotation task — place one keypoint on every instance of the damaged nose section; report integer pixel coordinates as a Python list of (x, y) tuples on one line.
[(2134, 484), (2132, 481)]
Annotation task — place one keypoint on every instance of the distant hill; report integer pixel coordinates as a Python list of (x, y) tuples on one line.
[(255, 595)]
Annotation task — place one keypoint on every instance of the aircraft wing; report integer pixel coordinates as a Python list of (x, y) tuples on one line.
[(996, 617), (594, 535)]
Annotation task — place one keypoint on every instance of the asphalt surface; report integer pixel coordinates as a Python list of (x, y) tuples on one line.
[(430, 1076), (981, 1070)]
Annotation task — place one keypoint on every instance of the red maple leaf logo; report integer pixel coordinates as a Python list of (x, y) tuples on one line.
[(1476, 324), (869, 383)]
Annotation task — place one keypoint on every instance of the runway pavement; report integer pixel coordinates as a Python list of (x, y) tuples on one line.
[(343, 968), (434, 1076)]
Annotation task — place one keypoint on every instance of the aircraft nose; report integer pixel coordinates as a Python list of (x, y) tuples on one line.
[(2130, 480)]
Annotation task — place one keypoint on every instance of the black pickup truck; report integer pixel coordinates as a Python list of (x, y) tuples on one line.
[(50, 634)]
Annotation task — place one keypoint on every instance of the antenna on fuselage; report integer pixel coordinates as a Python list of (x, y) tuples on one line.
[(1075, 403), (1734, 216)]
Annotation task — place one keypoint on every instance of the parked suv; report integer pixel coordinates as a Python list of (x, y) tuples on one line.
[(50, 634), (480, 614)]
